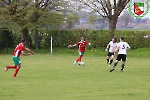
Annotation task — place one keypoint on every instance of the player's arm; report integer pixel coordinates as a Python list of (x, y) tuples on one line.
[(128, 47), (88, 43), (25, 54), (74, 45), (69, 46), (29, 50), (107, 47), (117, 48)]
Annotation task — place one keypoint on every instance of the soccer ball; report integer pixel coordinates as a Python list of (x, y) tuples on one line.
[(81, 63), (69, 46)]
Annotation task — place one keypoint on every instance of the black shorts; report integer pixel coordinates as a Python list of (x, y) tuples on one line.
[(121, 56), (110, 53)]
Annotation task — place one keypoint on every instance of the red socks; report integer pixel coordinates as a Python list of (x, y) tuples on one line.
[(12, 67), (79, 58), (16, 71)]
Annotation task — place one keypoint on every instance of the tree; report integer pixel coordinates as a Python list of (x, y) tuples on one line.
[(6, 39), (92, 19), (29, 14), (95, 18), (70, 18), (109, 9), (126, 18)]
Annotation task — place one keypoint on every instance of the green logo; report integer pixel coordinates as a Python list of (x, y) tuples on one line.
[(138, 9)]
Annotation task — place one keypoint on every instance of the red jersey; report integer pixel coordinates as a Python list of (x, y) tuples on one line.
[(82, 45), (20, 47)]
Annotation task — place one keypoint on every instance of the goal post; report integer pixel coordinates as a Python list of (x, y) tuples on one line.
[(51, 46)]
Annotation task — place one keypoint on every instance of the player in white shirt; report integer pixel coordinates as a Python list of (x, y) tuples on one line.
[(112, 46), (122, 47)]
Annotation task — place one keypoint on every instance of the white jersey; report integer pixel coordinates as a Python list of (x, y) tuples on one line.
[(123, 47), (112, 46)]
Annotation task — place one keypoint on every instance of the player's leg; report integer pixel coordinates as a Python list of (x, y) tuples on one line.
[(122, 66), (108, 57), (111, 59), (123, 63), (76, 60), (16, 71), (80, 57), (10, 67), (116, 62), (17, 64)]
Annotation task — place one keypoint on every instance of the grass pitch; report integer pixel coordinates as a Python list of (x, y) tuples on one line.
[(45, 77)]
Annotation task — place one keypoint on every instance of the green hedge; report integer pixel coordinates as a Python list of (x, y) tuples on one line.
[(137, 39), (62, 38), (98, 38)]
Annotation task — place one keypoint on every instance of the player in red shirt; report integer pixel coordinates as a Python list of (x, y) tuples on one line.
[(81, 49), (18, 50)]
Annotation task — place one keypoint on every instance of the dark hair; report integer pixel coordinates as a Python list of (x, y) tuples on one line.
[(115, 39), (122, 38), (23, 40)]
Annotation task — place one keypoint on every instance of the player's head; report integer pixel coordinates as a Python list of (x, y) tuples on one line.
[(23, 41), (82, 38), (121, 38), (114, 40)]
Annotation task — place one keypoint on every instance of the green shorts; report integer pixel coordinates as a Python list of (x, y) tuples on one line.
[(16, 60), (81, 53)]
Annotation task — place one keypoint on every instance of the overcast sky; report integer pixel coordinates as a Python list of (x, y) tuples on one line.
[(148, 15)]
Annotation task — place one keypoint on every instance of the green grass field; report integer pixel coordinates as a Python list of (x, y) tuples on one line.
[(45, 77)]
